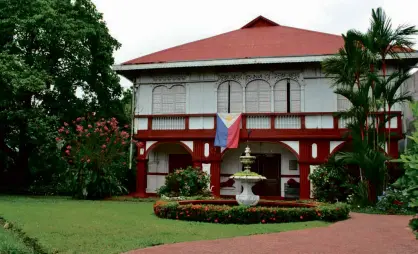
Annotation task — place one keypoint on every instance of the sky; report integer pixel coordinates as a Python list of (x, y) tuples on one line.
[(147, 26)]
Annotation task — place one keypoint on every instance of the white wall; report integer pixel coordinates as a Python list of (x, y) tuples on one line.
[(319, 96), (231, 164)]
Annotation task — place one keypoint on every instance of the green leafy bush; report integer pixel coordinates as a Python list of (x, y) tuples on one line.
[(360, 196), (96, 153), (413, 224), (393, 201), (331, 182), (249, 215), (185, 183)]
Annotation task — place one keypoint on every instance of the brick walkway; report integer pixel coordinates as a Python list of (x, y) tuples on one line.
[(363, 233)]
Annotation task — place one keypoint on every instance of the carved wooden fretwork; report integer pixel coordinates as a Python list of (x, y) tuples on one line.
[(170, 78), (271, 77)]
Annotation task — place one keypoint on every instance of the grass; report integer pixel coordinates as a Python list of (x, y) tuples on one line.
[(11, 244), (63, 225)]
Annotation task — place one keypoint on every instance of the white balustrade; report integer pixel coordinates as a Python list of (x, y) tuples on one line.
[(258, 122), (169, 123), (288, 122)]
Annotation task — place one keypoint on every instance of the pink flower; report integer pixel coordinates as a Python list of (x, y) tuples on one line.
[(79, 128), (69, 147), (105, 128), (90, 126), (123, 143), (57, 139), (126, 126), (103, 146), (88, 161), (67, 132), (78, 119), (67, 152), (65, 124), (88, 135)]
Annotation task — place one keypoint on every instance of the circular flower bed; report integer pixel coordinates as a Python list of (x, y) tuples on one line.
[(228, 211)]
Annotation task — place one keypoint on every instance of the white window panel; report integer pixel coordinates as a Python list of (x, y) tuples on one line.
[(257, 97)]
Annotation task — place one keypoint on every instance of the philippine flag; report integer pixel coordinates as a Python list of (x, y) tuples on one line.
[(227, 130)]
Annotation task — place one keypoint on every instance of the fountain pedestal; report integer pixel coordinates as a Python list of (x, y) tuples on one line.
[(247, 179)]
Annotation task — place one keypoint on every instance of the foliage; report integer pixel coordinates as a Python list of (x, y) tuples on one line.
[(393, 201), (55, 64), (331, 182), (413, 224), (246, 173), (9, 243), (359, 72), (360, 196), (95, 150), (64, 225), (409, 181), (248, 215), (185, 183)]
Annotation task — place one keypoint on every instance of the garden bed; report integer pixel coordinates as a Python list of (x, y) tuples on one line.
[(229, 212)]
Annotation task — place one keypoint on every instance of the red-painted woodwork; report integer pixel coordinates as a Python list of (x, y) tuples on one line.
[(215, 178), (304, 181), (141, 179), (177, 161)]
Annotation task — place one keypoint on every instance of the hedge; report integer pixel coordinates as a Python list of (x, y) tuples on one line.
[(228, 214)]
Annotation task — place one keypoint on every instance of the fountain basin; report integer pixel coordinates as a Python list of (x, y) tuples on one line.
[(247, 196)]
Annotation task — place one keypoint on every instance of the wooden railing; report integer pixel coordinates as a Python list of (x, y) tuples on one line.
[(322, 123)]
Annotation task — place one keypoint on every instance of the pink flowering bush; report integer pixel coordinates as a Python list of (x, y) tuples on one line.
[(96, 153)]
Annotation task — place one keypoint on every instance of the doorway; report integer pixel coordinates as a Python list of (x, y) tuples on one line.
[(177, 161), (267, 165)]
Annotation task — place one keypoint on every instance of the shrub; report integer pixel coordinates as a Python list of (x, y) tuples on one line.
[(249, 215), (413, 224), (185, 182), (393, 201), (360, 196), (331, 182), (96, 153)]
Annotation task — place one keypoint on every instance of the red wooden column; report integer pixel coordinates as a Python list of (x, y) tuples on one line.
[(141, 171), (198, 153), (305, 155), (305, 187), (215, 177), (215, 169)]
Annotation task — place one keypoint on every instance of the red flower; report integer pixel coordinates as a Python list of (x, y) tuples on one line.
[(216, 220), (78, 119), (57, 139), (301, 217), (397, 202), (67, 132), (103, 146), (263, 221), (67, 152), (69, 147), (336, 209), (65, 124)]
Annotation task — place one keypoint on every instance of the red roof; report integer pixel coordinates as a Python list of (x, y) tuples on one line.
[(259, 38)]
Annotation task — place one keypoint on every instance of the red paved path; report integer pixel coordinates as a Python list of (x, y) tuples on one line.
[(363, 233)]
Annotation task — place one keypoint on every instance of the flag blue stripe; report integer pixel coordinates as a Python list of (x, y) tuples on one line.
[(221, 137)]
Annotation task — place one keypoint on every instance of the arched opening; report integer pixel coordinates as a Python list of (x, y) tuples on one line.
[(169, 100), (162, 159), (287, 96), (273, 160), (229, 97), (258, 97)]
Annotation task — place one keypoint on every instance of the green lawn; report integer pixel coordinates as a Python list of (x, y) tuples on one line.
[(11, 244), (68, 226)]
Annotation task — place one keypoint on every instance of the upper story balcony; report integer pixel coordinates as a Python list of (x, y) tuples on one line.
[(263, 126)]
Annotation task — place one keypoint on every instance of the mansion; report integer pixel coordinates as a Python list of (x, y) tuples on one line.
[(268, 72)]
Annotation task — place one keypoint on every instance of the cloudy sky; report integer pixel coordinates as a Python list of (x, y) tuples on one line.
[(147, 26)]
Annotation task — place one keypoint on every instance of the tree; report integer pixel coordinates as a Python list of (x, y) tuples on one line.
[(360, 70), (49, 50)]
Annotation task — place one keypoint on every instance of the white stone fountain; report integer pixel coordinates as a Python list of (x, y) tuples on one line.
[(247, 179)]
